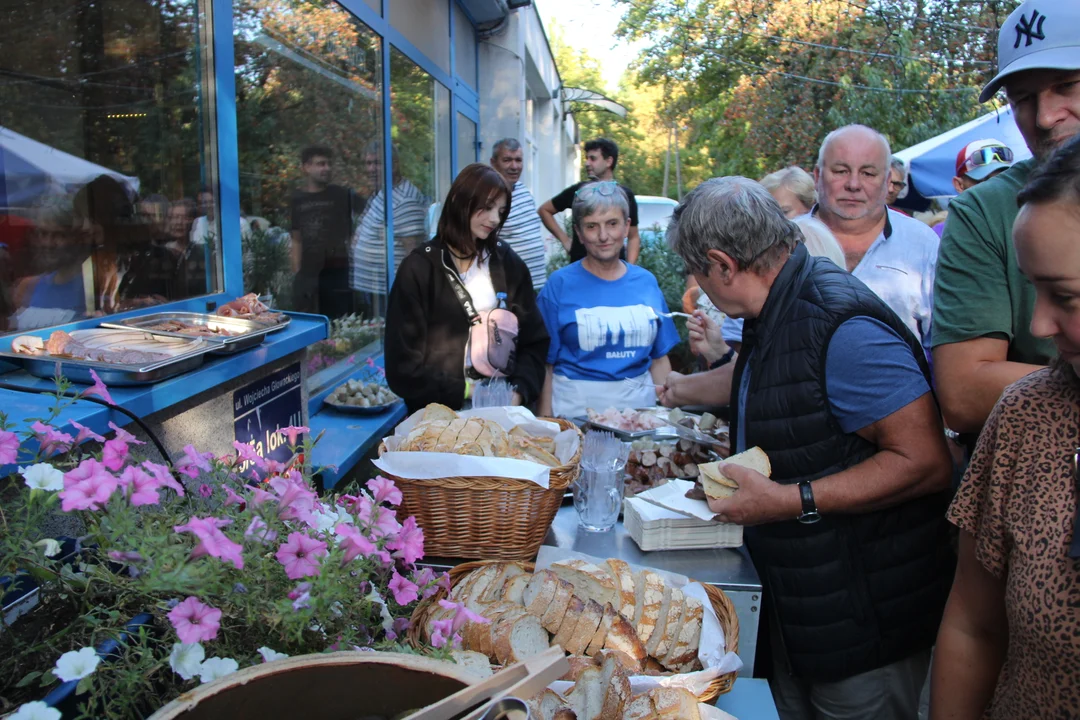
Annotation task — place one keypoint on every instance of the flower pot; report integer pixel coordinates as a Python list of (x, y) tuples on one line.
[(334, 686)]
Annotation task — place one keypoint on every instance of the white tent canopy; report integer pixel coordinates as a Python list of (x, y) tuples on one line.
[(29, 168), (932, 163)]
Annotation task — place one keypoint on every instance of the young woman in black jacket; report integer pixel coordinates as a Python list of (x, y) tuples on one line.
[(427, 329)]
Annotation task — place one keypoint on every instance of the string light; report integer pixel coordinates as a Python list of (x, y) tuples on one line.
[(126, 115)]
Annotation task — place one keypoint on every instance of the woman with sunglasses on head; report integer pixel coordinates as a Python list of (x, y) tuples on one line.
[(446, 295), (1009, 644), (607, 319)]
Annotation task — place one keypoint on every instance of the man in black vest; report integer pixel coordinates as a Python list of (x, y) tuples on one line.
[(849, 534)]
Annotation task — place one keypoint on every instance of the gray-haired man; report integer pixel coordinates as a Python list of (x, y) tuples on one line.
[(849, 533), (522, 227)]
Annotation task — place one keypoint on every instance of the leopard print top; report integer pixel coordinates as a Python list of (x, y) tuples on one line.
[(1018, 500)]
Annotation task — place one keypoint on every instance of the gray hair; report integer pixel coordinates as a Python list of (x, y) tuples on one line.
[(734, 215), (820, 241), (898, 164), (590, 199), (795, 179), (838, 131), (507, 143)]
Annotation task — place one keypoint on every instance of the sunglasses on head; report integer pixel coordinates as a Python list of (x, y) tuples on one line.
[(605, 188), (987, 155)]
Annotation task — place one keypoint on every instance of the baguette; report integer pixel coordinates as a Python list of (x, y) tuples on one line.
[(586, 628), (570, 620), (650, 598), (590, 582), (598, 638), (624, 580), (556, 611), (671, 628), (717, 485), (540, 592)]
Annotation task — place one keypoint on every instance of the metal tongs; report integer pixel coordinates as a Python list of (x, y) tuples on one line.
[(492, 698)]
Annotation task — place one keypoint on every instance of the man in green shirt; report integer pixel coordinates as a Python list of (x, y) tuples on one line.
[(982, 339)]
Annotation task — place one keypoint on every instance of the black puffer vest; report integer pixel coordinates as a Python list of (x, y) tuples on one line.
[(851, 592)]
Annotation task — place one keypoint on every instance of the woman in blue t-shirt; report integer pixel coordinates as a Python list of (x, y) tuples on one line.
[(609, 340)]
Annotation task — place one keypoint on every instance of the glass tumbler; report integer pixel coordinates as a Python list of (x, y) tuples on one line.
[(598, 495)]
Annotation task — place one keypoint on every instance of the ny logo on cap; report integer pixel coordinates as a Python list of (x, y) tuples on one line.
[(1031, 29)]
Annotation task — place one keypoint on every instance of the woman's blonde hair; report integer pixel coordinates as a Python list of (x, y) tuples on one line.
[(820, 241), (795, 179)]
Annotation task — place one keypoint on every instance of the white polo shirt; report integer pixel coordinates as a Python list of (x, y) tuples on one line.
[(899, 267)]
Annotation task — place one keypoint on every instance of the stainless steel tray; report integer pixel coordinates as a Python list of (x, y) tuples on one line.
[(78, 371), (249, 333), (270, 327), (357, 410)]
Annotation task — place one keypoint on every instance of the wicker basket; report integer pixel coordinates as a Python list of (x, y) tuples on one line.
[(486, 517), (725, 613)]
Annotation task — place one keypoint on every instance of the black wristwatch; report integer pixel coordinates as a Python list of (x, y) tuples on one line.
[(724, 359), (810, 512)]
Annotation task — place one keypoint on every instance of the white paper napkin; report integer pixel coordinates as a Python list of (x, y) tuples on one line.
[(672, 496)]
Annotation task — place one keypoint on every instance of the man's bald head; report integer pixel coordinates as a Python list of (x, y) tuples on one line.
[(856, 134), (852, 174)]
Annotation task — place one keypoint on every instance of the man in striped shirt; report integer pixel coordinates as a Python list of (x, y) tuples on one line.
[(521, 231)]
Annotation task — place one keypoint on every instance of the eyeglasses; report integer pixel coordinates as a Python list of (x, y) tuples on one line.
[(987, 155), (897, 184), (606, 188)]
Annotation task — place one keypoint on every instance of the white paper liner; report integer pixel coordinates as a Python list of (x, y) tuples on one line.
[(672, 496), (706, 711), (712, 652), (432, 466)]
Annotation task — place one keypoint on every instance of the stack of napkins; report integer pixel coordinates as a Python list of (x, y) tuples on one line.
[(663, 518)]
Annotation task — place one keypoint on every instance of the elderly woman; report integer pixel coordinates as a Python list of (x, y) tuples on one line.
[(610, 334), (793, 188), (1009, 644)]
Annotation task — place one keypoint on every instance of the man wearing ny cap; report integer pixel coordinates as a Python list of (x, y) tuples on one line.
[(982, 339)]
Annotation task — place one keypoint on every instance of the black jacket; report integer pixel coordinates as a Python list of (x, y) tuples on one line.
[(427, 329), (852, 592)]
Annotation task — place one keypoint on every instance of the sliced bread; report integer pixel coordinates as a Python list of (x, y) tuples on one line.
[(587, 697), (500, 633), (555, 612), (718, 485), (586, 628), (546, 705), (649, 598), (526, 639), (598, 638), (564, 714), (540, 592), (686, 644), (494, 590), (661, 622), (675, 703), (485, 576), (578, 665), (640, 707), (573, 615), (591, 582), (624, 581), (475, 662), (614, 678), (485, 633), (514, 590), (622, 637), (620, 657), (672, 615)]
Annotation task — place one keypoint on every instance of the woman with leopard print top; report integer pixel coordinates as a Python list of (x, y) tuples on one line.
[(1009, 645)]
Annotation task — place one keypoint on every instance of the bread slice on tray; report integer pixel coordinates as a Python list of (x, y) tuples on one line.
[(718, 485), (474, 662), (662, 620), (598, 638), (540, 592), (622, 658), (578, 665), (686, 643), (673, 615), (484, 577), (625, 590), (494, 590), (556, 611), (622, 637), (514, 590), (570, 620), (586, 628), (649, 600), (519, 639), (587, 697), (591, 582)]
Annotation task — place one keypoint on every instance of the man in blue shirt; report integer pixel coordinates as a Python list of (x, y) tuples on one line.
[(848, 532)]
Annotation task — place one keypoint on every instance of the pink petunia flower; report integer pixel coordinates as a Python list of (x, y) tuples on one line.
[(213, 541), (246, 452), (260, 531), (441, 632), (193, 461), (404, 591), (205, 490), (51, 440), (384, 491), (301, 596), (140, 487), (292, 432), (409, 543), (87, 487), (85, 433), (163, 476), (354, 542), (462, 614), (99, 389), (114, 454), (231, 498), (295, 500), (124, 436), (9, 447), (195, 621), (300, 555), (386, 525)]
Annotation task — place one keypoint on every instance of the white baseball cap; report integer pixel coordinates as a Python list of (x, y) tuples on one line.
[(981, 158), (1040, 34)]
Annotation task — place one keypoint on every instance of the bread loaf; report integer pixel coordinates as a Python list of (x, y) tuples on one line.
[(640, 707), (686, 644), (717, 485), (494, 590), (527, 638), (662, 619), (598, 638), (586, 628), (547, 705), (675, 703), (480, 580), (649, 599), (540, 592), (590, 581), (625, 590), (500, 633), (578, 664), (622, 637), (613, 677), (570, 621), (556, 611), (587, 697), (671, 627)]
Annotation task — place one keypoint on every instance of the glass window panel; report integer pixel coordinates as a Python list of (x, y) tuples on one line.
[(309, 121), (104, 150), (425, 24), (375, 5), (464, 48), (466, 141)]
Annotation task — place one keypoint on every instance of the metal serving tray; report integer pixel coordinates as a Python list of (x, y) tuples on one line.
[(78, 371), (249, 333), (270, 327)]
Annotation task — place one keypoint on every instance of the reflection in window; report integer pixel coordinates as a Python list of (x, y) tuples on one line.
[(102, 158), (466, 142)]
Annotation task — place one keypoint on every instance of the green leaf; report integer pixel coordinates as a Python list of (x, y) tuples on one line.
[(84, 685), (28, 678)]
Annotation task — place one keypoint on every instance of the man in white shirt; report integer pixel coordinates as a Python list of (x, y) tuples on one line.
[(521, 231)]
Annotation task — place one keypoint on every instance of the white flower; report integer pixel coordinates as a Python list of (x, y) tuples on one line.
[(42, 476), (36, 710), (77, 664), (269, 655), (387, 618), (186, 660), (216, 667), (343, 516), (49, 547), (323, 521)]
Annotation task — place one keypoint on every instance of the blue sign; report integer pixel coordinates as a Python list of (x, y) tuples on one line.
[(264, 407)]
